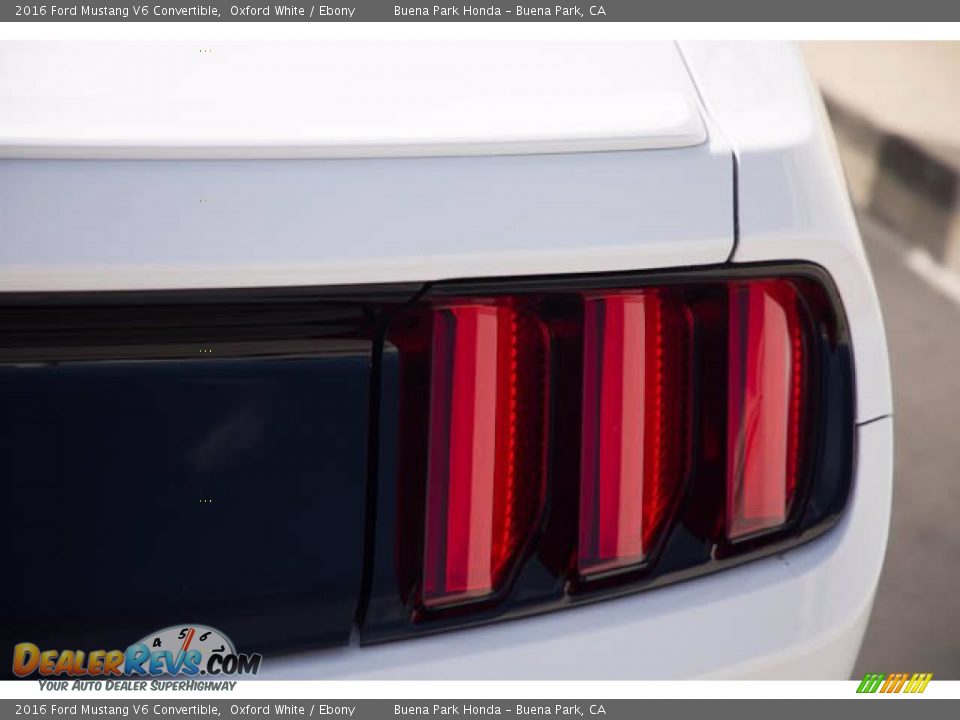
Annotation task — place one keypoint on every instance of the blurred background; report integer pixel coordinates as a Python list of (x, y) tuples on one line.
[(895, 108)]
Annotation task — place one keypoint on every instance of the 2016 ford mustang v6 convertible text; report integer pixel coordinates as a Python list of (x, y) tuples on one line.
[(436, 360)]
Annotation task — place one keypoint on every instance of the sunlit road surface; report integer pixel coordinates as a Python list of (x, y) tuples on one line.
[(915, 627)]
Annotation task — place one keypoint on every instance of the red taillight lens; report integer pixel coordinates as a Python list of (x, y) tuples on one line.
[(564, 439), (632, 451), (485, 462), (764, 405)]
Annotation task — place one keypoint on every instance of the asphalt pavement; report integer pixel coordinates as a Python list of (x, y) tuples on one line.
[(915, 626)]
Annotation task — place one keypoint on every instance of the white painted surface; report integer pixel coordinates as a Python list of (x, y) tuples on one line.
[(796, 616), (793, 199), (338, 99), (152, 224)]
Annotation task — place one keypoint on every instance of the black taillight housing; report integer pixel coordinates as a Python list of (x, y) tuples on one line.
[(545, 442)]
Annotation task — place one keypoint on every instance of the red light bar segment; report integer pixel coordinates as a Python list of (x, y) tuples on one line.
[(632, 449), (766, 361), (484, 477)]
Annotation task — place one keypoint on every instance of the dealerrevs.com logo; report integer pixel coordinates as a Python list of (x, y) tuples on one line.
[(177, 650)]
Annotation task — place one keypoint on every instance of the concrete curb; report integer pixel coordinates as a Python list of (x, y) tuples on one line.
[(910, 188)]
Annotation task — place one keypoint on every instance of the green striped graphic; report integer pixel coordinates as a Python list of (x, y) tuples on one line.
[(871, 683)]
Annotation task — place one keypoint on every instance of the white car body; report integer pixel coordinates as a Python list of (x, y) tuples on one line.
[(345, 163)]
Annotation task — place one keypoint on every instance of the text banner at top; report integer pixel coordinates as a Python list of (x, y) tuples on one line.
[(489, 11)]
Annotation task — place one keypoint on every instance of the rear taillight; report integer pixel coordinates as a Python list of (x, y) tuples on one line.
[(485, 460), (633, 450), (560, 441), (764, 405)]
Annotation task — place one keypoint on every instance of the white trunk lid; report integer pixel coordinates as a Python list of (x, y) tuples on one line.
[(340, 99)]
